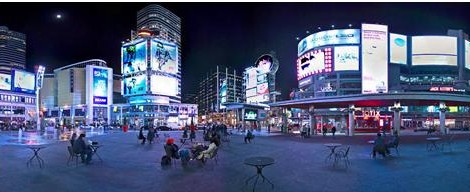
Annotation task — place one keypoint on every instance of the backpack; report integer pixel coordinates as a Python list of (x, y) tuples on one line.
[(166, 160)]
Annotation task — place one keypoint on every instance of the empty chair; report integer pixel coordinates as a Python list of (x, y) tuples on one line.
[(449, 141), (72, 155), (342, 154)]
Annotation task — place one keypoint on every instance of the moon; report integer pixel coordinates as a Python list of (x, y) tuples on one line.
[(58, 16)]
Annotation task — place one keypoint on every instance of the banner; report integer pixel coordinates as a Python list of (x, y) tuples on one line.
[(374, 58)]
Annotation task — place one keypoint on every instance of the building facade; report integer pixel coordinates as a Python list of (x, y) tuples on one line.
[(12, 50), (369, 79), (78, 94)]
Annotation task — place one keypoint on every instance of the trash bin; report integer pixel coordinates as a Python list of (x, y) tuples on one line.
[(125, 128)]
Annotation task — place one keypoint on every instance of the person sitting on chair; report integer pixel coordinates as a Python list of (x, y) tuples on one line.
[(209, 152), (379, 146), (73, 138), (80, 147)]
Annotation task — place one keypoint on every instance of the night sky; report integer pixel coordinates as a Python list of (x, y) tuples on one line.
[(225, 34)]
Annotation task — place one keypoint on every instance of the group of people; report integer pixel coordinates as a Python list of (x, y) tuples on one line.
[(151, 134), (325, 130), (197, 151), (82, 147)]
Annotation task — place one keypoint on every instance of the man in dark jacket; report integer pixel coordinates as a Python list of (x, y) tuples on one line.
[(81, 147)]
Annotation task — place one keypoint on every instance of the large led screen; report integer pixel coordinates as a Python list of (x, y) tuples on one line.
[(135, 85), (467, 54), (314, 62), (398, 49), (134, 58), (434, 50), (223, 91), (264, 64), (251, 79), (251, 92), (164, 56), (251, 115), (330, 37), (5, 82), (346, 58), (374, 58), (164, 85), (23, 81), (262, 89), (100, 86)]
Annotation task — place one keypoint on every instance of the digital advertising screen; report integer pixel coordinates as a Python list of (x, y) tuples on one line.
[(251, 78), (251, 92), (314, 62), (134, 58), (330, 37), (398, 49), (467, 54), (164, 56), (135, 85), (434, 50), (251, 115), (23, 81), (374, 58), (223, 91), (164, 85), (262, 89), (100, 86), (346, 58), (264, 64), (5, 82)]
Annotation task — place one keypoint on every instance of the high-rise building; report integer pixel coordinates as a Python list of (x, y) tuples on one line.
[(12, 50), (161, 22), (219, 88)]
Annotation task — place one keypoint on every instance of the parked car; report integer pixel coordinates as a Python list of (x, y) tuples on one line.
[(163, 128)]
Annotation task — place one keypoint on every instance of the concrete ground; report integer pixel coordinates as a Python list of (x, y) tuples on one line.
[(299, 166)]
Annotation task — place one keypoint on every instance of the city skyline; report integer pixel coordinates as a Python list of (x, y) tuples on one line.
[(225, 34)]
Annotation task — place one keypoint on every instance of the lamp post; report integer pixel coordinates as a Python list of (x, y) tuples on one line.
[(39, 78)]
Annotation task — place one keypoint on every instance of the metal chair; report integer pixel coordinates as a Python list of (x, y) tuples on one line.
[(72, 156), (449, 142), (342, 154)]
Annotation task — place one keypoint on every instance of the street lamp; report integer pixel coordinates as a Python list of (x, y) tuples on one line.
[(39, 78)]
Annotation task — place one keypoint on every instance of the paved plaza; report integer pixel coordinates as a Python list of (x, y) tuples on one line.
[(299, 166)]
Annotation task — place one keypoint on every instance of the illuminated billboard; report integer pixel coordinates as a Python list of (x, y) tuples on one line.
[(346, 58), (398, 49), (250, 115), (164, 85), (134, 58), (223, 91), (135, 85), (314, 62), (5, 82), (23, 81), (164, 56), (467, 54), (264, 64), (251, 78), (330, 37), (251, 92), (374, 58), (262, 89), (100, 86), (434, 50)]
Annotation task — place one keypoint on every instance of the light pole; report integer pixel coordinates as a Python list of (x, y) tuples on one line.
[(39, 77)]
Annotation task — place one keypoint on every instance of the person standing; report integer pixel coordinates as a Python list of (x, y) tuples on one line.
[(324, 130), (141, 135), (333, 130), (151, 134)]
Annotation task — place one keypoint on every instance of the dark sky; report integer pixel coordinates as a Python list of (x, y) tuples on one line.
[(226, 34)]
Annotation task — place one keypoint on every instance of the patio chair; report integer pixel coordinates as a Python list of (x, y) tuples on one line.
[(449, 141), (72, 156), (214, 156), (342, 154)]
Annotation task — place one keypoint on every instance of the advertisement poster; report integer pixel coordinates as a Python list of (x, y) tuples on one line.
[(346, 58), (252, 78), (314, 62), (264, 64), (164, 56), (134, 58), (23, 81), (223, 91), (135, 85), (164, 85), (398, 49), (5, 82), (374, 58), (434, 50), (330, 37), (100, 86), (262, 89), (467, 54)]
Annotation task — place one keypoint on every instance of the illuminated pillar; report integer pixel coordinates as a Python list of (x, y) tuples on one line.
[(442, 116), (351, 110), (313, 123), (396, 117)]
